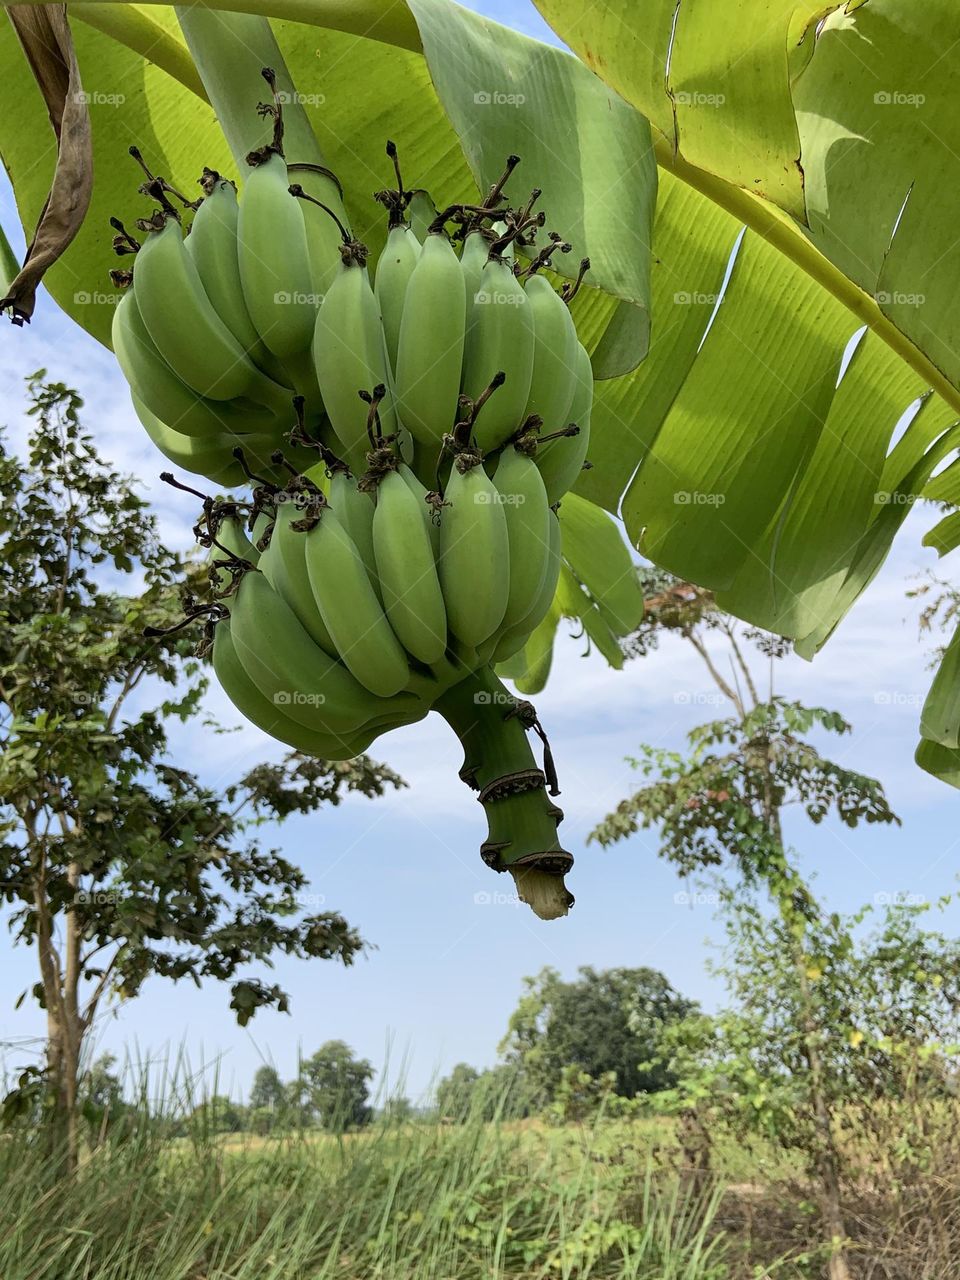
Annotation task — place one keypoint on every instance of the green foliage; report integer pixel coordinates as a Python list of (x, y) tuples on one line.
[(878, 1010), (117, 865), (607, 1023), (714, 803), (395, 1202), (334, 1086)]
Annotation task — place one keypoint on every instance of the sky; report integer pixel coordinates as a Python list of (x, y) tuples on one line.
[(449, 944)]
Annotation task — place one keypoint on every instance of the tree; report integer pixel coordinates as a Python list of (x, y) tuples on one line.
[(607, 1022), (267, 1089), (117, 864), (455, 1093), (719, 805), (884, 1015), (336, 1086)]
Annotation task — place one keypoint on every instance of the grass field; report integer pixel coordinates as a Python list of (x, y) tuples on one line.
[(427, 1201)]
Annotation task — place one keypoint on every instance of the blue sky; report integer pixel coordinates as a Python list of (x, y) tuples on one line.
[(447, 967)]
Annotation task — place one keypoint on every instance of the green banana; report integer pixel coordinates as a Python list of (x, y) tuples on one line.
[(350, 609), (269, 716), (186, 329), (430, 351), (349, 356), (473, 258), (212, 244), (524, 501), (157, 386), (275, 260), (561, 461), (209, 457), (513, 640), (285, 568), (407, 571), (291, 671), (553, 382), (394, 268), (354, 509), (419, 491), (474, 559), (499, 339)]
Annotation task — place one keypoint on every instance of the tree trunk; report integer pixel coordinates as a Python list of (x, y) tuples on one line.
[(63, 1068)]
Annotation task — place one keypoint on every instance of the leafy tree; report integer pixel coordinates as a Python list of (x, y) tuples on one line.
[(219, 1114), (267, 1089), (719, 806), (606, 1023), (455, 1092), (118, 865), (336, 1086)]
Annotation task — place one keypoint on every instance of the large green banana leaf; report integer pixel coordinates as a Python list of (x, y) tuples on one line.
[(736, 453)]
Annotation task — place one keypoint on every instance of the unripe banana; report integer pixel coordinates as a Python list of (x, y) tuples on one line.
[(474, 555), (349, 356), (212, 244), (354, 509), (212, 455), (499, 339), (351, 611), (407, 571), (186, 329), (323, 234), (555, 352), (513, 640), (561, 461), (420, 491), (473, 258), (524, 501), (156, 385), (430, 352), (269, 716), (291, 671), (285, 567), (394, 268), (275, 260)]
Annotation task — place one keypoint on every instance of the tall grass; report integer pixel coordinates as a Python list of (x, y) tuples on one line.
[(419, 1201)]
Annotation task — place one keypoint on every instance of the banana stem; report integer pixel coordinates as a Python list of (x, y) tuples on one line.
[(230, 50), (499, 764)]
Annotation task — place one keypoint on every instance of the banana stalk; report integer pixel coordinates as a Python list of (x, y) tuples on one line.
[(499, 764)]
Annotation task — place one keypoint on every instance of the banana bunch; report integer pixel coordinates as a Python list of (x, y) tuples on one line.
[(408, 434)]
